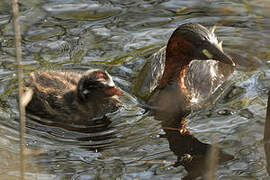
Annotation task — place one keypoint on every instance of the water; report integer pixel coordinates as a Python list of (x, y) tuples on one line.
[(119, 36)]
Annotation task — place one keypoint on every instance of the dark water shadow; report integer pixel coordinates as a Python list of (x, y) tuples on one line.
[(191, 153), (92, 135)]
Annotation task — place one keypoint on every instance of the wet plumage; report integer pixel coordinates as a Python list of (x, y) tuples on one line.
[(186, 73), (69, 96)]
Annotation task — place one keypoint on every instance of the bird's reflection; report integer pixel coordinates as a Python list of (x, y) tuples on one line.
[(90, 126), (97, 133), (191, 153)]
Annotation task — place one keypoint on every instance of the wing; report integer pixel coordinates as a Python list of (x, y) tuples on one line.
[(150, 75)]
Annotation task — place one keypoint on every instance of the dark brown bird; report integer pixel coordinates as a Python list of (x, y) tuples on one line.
[(186, 73), (73, 97)]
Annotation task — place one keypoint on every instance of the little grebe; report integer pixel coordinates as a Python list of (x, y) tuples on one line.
[(177, 78), (74, 97)]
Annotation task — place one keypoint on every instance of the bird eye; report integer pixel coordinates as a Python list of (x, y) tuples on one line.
[(201, 41), (204, 38)]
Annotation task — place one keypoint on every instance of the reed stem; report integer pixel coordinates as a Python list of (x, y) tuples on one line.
[(17, 33)]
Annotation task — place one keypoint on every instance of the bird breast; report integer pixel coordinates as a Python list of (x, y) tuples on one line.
[(202, 79)]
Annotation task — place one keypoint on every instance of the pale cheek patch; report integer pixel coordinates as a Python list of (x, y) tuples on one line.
[(207, 54), (111, 83)]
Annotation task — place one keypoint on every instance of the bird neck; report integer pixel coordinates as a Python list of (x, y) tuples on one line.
[(177, 58), (174, 70)]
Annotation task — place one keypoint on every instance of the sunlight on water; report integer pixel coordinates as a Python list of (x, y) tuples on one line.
[(120, 36)]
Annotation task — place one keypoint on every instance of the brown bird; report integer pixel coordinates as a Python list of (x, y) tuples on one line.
[(186, 73), (72, 97)]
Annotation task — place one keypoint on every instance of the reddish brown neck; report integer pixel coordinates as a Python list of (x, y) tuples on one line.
[(176, 58)]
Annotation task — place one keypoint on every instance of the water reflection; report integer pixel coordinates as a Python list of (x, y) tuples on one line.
[(94, 135), (120, 40), (191, 153), (103, 135)]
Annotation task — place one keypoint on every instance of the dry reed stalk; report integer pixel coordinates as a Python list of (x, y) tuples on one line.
[(212, 162), (267, 134), (16, 27)]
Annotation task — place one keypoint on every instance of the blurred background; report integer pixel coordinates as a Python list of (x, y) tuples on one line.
[(120, 36)]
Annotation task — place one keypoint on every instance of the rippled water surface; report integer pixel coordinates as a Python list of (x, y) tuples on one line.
[(119, 36)]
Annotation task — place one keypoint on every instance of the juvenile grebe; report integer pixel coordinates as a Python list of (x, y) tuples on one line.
[(73, 97)]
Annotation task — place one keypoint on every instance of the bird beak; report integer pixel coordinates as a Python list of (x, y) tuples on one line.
[(211, 51), (114, 91)]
